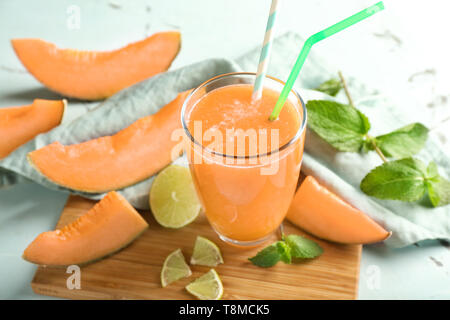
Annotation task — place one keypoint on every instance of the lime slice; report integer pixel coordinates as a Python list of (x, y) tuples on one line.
[(206, 253), (174, 268), (173, 199), (206, 287)]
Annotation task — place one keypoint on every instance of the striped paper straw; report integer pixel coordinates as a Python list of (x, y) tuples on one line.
[(265, 53)]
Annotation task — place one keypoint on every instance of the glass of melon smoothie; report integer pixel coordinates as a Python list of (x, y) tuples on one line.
[(245, 168)]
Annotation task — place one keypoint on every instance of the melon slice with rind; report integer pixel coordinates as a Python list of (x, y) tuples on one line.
[(20, 124), (94, 75), (110, 225), (114, 162), (322, 213)]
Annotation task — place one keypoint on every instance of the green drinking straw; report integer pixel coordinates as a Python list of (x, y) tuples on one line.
[(313, 40)]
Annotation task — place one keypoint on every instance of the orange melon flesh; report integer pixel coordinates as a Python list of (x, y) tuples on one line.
[(18, 125), (113, 162), (92, 75), (322, 213), (106, 228)]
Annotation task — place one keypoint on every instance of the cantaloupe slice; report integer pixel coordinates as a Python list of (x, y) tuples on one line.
[(113, 162), (18, 125), (106, 228), (322, 213), (92, 75)]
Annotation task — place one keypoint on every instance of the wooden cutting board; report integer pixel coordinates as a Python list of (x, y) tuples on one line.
[(134, 272)]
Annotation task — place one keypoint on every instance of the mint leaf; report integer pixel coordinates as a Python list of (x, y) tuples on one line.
[(432, 171), (302, 247), (403, 179), (342, 126), (330, 87), (439, 192), (438, 187), (267, 257), (292, 246), (285, 252), (403, 142)]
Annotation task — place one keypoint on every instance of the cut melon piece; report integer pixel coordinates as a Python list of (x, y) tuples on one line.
[(106, 228), (113, 162), (322, 213), (18, 125), (92, 75)]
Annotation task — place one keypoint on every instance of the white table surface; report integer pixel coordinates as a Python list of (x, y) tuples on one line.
[(403, 51)]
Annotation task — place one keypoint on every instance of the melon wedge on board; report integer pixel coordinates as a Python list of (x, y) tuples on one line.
[(322, 213), (113, 162), (93, 75), (106, 228), (18, 125)]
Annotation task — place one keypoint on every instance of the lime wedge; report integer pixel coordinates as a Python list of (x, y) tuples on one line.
[(206, 253), (206, 287), (173, 199), (174, 268)]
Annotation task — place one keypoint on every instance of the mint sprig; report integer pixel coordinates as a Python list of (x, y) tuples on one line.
[(303, 248), (407, 180), (292, 246), (403, 178), (330, 87), (342, 126), (267, 257), (437, 186), (397, 180), (439, 191), (403, 142), (347, 129)]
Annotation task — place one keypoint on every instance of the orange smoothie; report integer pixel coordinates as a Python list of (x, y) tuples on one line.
[(245, 193)]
